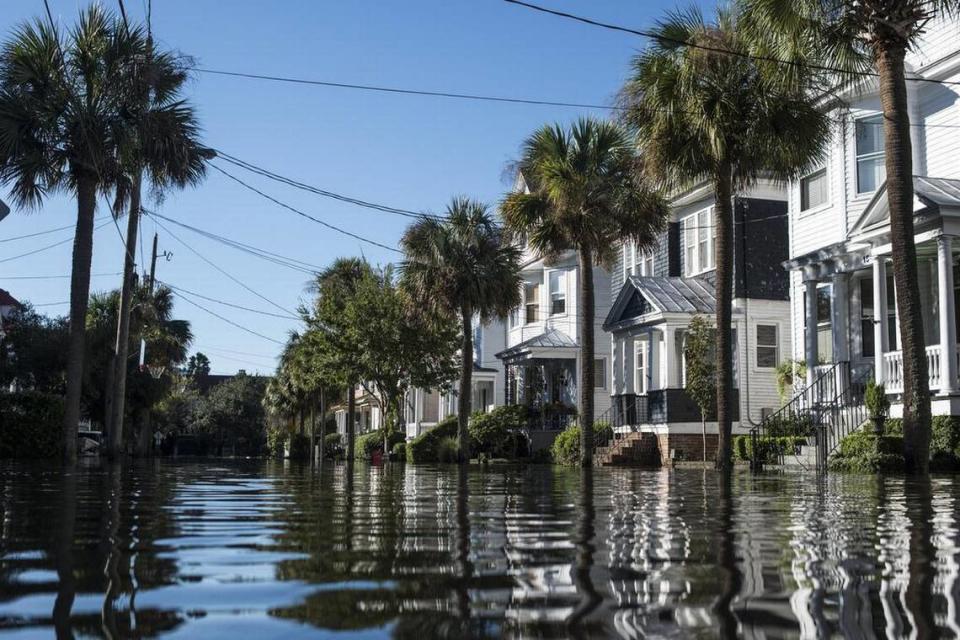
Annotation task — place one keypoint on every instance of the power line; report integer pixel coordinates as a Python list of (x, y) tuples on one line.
[(301, 213), (227, 320), (399, 90), (49, 246), (695, 45), (292, 263), (92, 275), (228, 304), (42, 233), (322, 192), (242, 353), (49, 304), (215, 266)]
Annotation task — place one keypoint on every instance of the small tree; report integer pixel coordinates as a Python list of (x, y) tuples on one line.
[(701, 369)]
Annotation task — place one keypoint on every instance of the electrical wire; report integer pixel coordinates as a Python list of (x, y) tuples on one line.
[(42, 233), (49, 246), (302, 214), (227, 304), (227, 320), (92, 275)]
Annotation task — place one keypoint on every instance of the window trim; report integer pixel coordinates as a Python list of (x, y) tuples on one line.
[(757, 346), (606, 384), (826, 204), (872, 155), (711, 244), (562, 292), (640, 355)]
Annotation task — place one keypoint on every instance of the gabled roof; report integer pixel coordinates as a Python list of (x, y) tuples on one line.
[(7, 300), (928, 193), (641, 295), (549, 339)]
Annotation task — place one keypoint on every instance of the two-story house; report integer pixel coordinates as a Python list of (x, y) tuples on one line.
[(842, 293), (658, 293), (424, 408), (542, 347)]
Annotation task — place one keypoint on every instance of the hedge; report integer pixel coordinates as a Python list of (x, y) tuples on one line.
[(864, 452), (368, 443), (426, 446), (771, 449), (497, 434), (566, 447), (31, 425), (778, 426), (299, 447), (332, 445)]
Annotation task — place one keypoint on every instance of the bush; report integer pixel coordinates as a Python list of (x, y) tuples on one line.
[(779, 426), (31, 425), (332, 445), (566, 447), (891, 427), (603, 431), (425, 447), (497, 434), (299, 447), (872, 462), (769, 449), (276, 441), (448, 449), (863, 452), (369, 443), (399, 451), (945, 435)]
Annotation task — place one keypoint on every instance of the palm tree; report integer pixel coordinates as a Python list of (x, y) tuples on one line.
[(874, 35), (701, 114), (584, 194), (162, 142), (464, 265), (61, 130)]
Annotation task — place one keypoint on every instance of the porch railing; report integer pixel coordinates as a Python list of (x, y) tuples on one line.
[(893, 369)]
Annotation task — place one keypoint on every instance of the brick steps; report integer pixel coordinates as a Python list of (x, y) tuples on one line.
[(631, 450)]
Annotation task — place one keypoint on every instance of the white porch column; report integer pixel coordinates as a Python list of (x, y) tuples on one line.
[(418, 407), (812, 350), (880, 345), (671, 365), (839, 317), (629, 365), (948, 328), (616, 358), (653, 360)]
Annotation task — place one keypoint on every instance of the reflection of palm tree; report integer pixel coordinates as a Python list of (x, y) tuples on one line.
[(919, 595), (66, 580), (111, 571), (589, 598), (464, 566), (731, 578)]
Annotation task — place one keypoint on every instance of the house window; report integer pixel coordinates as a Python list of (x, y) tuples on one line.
[(867, 314), (824, 330), (640, 376), (698, 235), (558, 293), (871, 168), (515, 317), (814, 190), (767, 351), (646, 263), (600, 373), (531, 295)]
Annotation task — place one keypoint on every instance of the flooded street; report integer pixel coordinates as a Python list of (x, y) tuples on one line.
[(224, 550)]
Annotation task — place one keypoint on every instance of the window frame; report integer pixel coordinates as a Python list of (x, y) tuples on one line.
[(640, 365), (603, 363), (562, 292), (528, 303), (872, 155), (697, 229), (757, 346), (827, 201)]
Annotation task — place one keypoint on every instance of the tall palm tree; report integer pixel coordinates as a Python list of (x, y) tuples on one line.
[(874, 35), (465, 265), (584, 194), (62, 123), (701, 114), (161, 144)]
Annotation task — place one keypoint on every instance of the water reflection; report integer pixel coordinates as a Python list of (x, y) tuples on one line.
[(269, 550)]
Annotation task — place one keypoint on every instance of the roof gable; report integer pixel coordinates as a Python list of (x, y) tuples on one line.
[(641, 296), (928, 193)]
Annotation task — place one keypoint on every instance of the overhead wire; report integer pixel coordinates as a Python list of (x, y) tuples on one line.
[(49, 246), (183, 297), (227, 304)]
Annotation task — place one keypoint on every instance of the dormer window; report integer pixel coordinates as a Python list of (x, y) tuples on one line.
[(871, 167)]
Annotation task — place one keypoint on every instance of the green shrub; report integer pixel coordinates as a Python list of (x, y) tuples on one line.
[(872, 462), (945, 435), (399, 451), (860, 443), (276, 441), (31, 425), (332, 445), (740, 452), (770, 449), (498, 434), (425, 447), (566, 446), (891, 427), (368, 443), (299, 447), (603, 431), (876, 400), (448, 449), (863, 452), (781, 426)]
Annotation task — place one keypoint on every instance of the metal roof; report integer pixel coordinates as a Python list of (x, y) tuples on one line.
[(549, 339), (940, 191), (677, 295)]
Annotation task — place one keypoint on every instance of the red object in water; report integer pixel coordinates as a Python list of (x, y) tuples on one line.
[(377, 457)]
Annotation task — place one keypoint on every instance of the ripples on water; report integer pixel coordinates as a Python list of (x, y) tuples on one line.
[(256, 550)]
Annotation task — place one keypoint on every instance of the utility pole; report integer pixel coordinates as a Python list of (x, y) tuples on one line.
[(153, 263)]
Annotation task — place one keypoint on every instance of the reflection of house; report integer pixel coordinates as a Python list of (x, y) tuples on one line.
[(844, 303), (543, 341), (424, 408), (659, 292)]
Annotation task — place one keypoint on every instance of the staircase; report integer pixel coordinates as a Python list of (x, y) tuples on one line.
[(632, 449)]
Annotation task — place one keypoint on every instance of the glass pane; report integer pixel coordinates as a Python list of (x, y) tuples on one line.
[(867, 342), (766, 335), (813, 190), (558, 306), (599, 373), (871, 172), (866, 297), (766, 357), (823, 304), (690, 243), (869, 135)]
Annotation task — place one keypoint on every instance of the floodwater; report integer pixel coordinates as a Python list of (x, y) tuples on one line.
[(215, 549)]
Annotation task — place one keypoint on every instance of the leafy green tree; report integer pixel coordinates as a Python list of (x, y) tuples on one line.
[(701, 113), (584, 194), (64, 128), (232, 414), (463, 265), (33, 352), (874, 35), (701, 368)]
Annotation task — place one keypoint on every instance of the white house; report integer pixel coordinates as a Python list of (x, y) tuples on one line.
[(842, 295), (659, 292)]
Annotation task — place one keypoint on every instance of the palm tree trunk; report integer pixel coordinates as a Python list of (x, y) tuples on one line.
[(466, 376), (313, 430), (79, 296), (323, 427), (351, 436), (585, 377), (116, 394), (899, 165), (724, 287)]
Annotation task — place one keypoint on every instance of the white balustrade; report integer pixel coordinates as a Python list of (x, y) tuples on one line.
[(933, 366), (893, 369)]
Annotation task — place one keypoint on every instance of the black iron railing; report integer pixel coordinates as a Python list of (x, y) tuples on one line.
[(625, 415)]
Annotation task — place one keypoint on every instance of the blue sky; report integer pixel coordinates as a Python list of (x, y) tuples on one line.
[(404, 151)]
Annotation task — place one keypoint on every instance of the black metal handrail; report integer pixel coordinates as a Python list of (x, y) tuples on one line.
[(628, 411)]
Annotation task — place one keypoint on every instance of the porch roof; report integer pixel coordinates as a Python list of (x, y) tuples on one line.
[(928, 194), (643, 295), (551, 339)]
